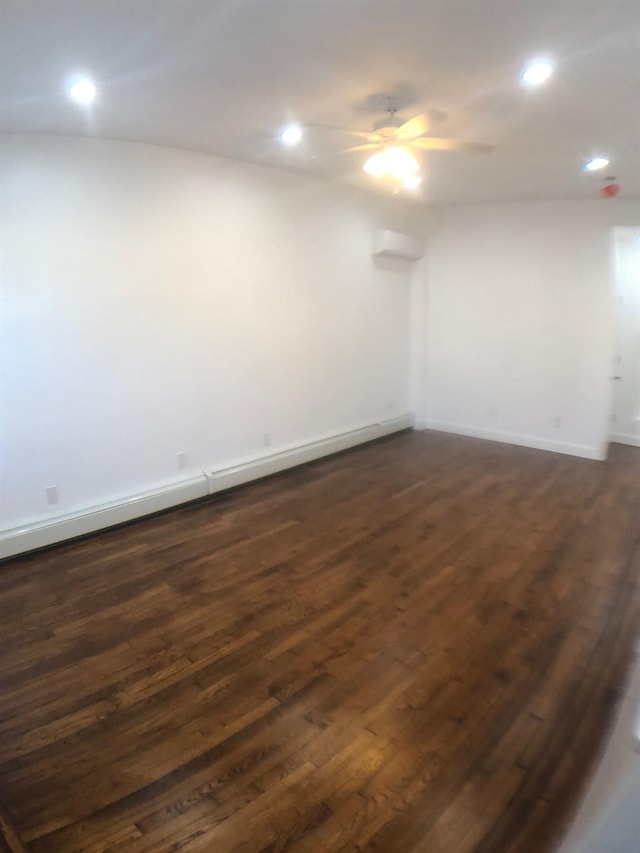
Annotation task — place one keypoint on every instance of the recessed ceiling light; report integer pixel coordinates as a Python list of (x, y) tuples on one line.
[(291, 135), (537, 72), (83, 91), (595, 163), (412, 183)]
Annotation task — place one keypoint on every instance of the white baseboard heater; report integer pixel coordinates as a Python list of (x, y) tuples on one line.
[(40, 534)]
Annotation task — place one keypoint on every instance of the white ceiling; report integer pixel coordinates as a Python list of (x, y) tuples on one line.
[(223, 76)]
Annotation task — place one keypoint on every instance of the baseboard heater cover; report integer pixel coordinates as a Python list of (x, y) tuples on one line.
[(255, 469), (41, 534), (59, 528)]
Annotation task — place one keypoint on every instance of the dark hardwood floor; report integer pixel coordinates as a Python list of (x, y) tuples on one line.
[(414, 646)]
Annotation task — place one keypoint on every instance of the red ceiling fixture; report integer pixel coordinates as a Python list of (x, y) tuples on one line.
[(611, 188)]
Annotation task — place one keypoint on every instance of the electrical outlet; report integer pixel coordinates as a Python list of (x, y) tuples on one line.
[(266, 439), (183, 459), (52, 494), (557, 421)]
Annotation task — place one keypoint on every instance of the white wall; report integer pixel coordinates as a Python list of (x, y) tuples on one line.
[(518, 319), (626, 391), (156, 301)]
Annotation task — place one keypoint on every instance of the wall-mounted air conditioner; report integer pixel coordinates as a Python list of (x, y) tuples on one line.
[(393, 244)]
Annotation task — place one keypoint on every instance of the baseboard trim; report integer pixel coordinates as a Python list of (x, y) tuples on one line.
[(625, 438), (584, 451), (41, 534)]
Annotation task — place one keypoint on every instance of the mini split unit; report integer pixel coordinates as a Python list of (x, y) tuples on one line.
[(393, 244)]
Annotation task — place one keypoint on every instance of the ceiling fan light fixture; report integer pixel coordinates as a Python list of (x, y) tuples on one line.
[(395, 162), (376, 165), (412, 183)]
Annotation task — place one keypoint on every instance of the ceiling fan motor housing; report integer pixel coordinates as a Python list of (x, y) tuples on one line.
[(388, 125)]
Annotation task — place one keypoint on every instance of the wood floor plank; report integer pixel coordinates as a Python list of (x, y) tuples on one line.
[(414, 646)]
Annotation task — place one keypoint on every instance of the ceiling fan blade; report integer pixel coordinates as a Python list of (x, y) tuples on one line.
[(372, 137), (434, 143), (368, 146), (420, 125)]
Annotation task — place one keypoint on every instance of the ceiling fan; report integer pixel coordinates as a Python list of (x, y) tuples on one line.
[(395, 140)]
